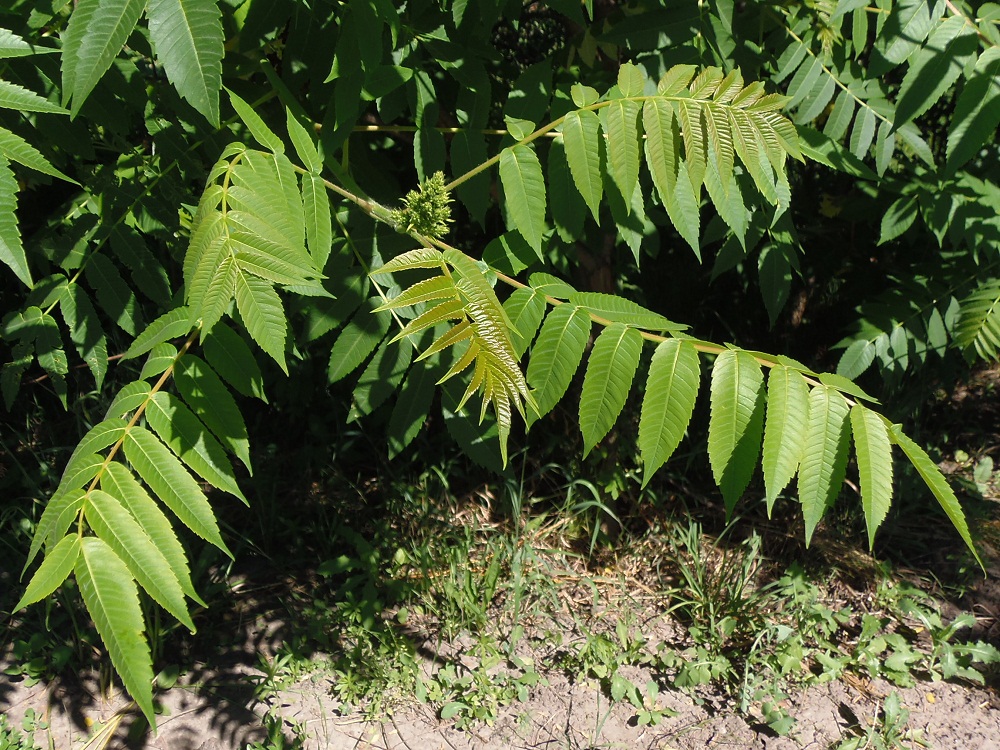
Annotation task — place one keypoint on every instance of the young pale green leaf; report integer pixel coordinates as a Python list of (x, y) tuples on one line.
[(80, 471), (525, 308), (118, 481), (824, 458), (421, 257), (358, 339), (209, 398), (85, 331), (619, 121), (453, 309), (11, 248), (977, 112), (556, 356), (874, 453), (934, 69), (168, 326), (668, 403), (610, 371), (412, 407), (262, 314), (937, 484), (736, 422), (60, 511), (620, 310), (784, 430), (463, 331), (110, 595), (186, 435), (631, 79), (18, 150), (258, 129), (55, 568), (188, 38), (119, 530), (171, 483), (380, 378), (524, 192), (438, 287), (229, 356), (582, 139), (96, 33)]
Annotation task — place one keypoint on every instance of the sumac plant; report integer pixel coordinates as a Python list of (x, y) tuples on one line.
[(272, 219)]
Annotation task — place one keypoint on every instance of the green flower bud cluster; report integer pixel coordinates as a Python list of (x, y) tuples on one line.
[(426, 211)]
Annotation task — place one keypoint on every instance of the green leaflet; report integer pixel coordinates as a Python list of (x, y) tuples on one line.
[(977, 112), (209, 398), (437, 287), (18, 150), (110, 595), (168, 326), (569, 210), (98, 437), (412, 407), (261, 132), (229, 356), (784, 430), (19, 98), (684, 210), (85, 331), (358, 339), (874, 453), (581, 137), (906, 28), (421, 257), (551, 286), (937, 484), (619, 121), (662, 145), (525, 309), (11, 45), (979, 320), (303, 143), (620, 310), (695, 146), (191, 441), (556, 356), (524, 192), (118, 481), (96, 33), (380, 378), (55, 568), (668, 403), (935, 68), (188, 38), (610, 371), (80, 471), (160, 358), (59, 513), (316, 207), (736, 423), (171, 483), (11, 249), (262, 314), (116, 527), (824, 459), (128, 399)]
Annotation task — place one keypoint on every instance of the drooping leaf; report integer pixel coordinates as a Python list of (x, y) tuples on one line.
[(171, 483), (118, 529), (524, 191), (581, 136), (662, 145), (55, 568), (380, 378), (209, 398), (109, 592), (669, 400), (18, 150), (263, 315), (186, 435), (556, 356), (60, 511), (358, 339), (412, 407), (258, 129), (977, 112), (610, 371), (188, 38), (937, 484), (619, 121), (118, 481), (85, 331), (824, 459), (874, 453), (96, 33), (11, 249), (736, 422), (319, 232), (784, 430), (229, 356)]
